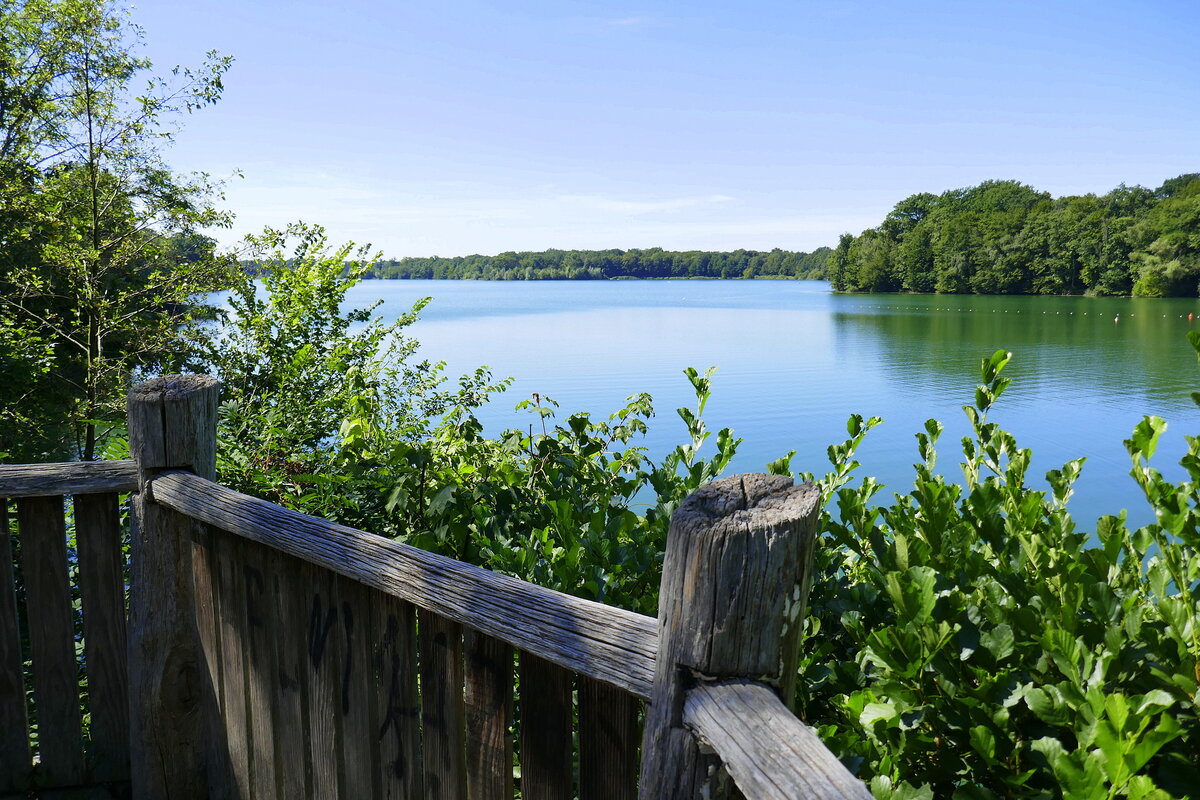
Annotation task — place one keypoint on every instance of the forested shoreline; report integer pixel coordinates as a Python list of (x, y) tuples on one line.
[(653, 262), (1003, 237)]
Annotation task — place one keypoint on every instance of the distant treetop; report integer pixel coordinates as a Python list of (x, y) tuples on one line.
[(1003, 237)]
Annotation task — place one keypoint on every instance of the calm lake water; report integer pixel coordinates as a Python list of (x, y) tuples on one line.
[(794, 360)]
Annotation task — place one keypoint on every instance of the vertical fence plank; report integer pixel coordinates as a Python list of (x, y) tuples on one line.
[(102, 590), (359, 747), (288, 689), (398, 709), (232, 604), (323, 682), (442, 707), (15, 763), (608, 742), (545, 730), (206, 586), (51, 639), (489, 680), (259, 652)]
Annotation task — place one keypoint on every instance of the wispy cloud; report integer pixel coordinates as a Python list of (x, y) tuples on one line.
[(600, 203), (625, 22)]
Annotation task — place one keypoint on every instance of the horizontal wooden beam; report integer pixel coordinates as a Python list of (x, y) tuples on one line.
[(72, 477), (602, 642), (769, 753)]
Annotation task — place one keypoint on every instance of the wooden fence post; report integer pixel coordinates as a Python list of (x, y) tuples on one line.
[(172, 425), (735, 581)]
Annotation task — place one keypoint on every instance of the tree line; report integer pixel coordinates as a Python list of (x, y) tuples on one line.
[(653, 262), (1003, 237)]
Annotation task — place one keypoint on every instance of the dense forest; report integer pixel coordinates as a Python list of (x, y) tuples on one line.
[(1003, 237), (653, 262)]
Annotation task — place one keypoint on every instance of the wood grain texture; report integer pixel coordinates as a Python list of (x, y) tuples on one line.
[(605, 643), (102, 590), (735, 581), (360, 750), (489, 698), (608, 742), (51, 640), (15, 762), (769, 753), (546, 722), (287, 593), (323, 681), (235, 729), (72, 477), (172, 425), (206, 589), (442, 711), (259, 630), (398, 706)]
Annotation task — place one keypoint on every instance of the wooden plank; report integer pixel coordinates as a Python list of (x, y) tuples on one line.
[(770, 754), (285, 577), (15, 762), (734, 587), (102, 591), (259, 631), (602, 642), (74, 477), (442, 712), (608, 742), (172, 425), (323, 682), (51, 639), (398, 706), (206, 588), (360, 748), (488, 698), (546, 717), (231, 623)]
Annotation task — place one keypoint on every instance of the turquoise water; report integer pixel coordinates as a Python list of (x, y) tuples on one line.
[(794, 360)]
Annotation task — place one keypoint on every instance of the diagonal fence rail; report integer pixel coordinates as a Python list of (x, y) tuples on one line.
[(275, 654)]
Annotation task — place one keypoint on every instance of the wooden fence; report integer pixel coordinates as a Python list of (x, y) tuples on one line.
[(276, 655)]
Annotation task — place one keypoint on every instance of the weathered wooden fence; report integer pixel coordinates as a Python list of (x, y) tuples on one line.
[(46, 637), (273, 654)]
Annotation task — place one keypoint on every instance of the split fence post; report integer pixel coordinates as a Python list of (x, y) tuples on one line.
[(172, 425), (735, 582)]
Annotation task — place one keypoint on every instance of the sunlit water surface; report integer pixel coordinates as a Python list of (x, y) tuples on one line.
[(794, 360)]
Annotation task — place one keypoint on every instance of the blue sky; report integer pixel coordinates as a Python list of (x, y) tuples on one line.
[(448, 127)]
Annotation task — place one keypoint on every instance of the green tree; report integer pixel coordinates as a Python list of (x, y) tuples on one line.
[(89, 260)]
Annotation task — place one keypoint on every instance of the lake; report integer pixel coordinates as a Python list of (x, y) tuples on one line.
[(794, 360)]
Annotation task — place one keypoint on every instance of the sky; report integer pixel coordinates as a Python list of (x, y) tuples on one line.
[(450, 128)]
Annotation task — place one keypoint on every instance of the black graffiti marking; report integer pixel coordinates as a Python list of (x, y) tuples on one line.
[(348, 664), (318, 631)]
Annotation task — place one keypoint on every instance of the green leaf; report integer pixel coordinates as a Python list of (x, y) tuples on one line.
[(999, 641), (984, 742), (912, 593), (874, 712)]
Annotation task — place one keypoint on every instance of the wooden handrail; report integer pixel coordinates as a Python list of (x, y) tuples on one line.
[(769, 753), (72, 477), (609, 644)]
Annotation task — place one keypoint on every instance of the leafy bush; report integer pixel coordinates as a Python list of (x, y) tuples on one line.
[(966, 641)]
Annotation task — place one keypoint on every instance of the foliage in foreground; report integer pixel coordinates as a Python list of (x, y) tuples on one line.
[(329, 412), (964, 641)]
